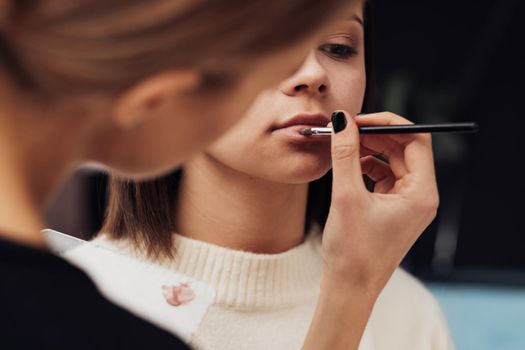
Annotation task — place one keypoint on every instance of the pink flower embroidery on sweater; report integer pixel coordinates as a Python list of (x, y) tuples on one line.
[(178, 295)]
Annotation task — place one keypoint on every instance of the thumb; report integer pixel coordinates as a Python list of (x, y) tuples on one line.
[(346, 165)]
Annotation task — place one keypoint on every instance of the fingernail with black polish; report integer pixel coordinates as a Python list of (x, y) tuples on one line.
[(338, 121)]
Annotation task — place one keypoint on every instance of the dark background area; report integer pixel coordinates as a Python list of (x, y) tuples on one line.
[(463, 61), (435, 62)]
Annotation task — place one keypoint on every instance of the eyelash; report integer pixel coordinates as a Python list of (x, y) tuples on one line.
[(334, 50)]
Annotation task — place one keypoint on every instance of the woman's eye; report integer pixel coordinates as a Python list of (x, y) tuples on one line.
[(214, 79), (338, 50)]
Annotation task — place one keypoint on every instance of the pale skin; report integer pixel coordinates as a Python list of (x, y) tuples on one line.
[(259, 177)]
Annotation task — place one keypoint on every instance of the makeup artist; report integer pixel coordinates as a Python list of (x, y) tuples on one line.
[(130, 84)]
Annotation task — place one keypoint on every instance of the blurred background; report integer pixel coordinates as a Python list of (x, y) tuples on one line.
[(437, 62)]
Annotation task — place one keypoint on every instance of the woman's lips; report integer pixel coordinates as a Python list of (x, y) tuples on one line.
[(292, 127), (308, 120), (293, 133)]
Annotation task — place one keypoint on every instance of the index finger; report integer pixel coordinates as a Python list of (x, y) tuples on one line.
[(386, 118), (418, 154)]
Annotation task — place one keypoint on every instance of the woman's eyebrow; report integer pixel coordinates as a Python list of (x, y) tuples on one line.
[(358, 20)]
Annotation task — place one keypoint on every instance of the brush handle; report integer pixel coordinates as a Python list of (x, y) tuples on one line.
[(420, 128), (408, 129)]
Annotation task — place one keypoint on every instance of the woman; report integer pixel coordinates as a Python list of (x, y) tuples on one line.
[(248, 214), (128, 84)]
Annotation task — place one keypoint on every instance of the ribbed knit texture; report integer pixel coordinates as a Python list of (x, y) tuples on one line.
[(251, 281), (267, 301)]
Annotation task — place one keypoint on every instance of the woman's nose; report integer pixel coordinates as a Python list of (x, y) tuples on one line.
[(311, 88), (310, 79)]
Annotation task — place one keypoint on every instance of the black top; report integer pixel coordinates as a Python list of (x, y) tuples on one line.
[(46, 303)]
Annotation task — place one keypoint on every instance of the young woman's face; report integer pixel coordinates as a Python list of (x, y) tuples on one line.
[(267, 144)]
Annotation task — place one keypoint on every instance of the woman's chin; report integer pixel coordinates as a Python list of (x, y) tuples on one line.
[(305, 171)]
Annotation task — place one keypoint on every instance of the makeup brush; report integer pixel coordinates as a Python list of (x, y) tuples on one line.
[(468, 127)]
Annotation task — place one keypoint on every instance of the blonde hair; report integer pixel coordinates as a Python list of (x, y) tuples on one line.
[(63, 46)]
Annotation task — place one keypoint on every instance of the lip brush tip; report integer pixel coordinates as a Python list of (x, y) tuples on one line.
[(305, 132)]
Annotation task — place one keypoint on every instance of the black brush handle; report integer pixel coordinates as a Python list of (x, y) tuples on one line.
[(420, 128)]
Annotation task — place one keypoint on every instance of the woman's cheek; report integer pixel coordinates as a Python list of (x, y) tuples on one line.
[(349, 92)]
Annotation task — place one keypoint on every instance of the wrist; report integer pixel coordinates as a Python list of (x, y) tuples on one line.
[(343, 309), (356, 280)]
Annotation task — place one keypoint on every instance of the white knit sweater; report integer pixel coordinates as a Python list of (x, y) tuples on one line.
[(253, 301)]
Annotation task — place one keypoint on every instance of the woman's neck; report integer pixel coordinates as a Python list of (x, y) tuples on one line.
[(220, 205), (19, 216), (34, 153)]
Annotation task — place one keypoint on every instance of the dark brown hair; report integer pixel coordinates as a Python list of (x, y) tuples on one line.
[(57, 47), (144, 212)]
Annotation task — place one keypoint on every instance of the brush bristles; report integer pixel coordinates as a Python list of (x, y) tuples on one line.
[(306, 132)]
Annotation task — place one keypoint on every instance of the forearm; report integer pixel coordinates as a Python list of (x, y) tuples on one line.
[(342, 313)]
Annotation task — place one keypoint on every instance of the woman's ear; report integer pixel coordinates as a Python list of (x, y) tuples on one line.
[(138, 103)]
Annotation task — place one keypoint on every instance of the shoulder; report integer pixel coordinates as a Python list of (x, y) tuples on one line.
[(41, 293), (406, 294), (406, 306), (102, 258), (403, 289), (100, 245)]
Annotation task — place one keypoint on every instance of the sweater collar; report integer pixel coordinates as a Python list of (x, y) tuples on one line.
[(244, 280), (247, 280)]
